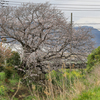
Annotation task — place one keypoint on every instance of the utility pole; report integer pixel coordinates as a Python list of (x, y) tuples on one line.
[(71, 20), (71, 23)]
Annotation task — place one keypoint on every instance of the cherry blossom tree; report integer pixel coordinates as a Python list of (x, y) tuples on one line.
[(44, 34)]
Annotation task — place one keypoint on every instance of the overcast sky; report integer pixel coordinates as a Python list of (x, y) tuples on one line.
[(85, 16)]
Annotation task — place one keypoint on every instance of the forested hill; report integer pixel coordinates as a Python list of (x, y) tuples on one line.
[(96, 34)]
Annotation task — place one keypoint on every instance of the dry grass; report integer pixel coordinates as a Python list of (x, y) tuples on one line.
[(56, 92)]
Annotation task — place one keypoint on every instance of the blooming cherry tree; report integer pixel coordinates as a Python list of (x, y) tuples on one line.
[(44, 34)]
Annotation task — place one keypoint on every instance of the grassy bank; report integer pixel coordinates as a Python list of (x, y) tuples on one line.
[(63, 84)]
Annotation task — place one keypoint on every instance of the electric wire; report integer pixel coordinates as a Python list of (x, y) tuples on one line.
[(57, 4)]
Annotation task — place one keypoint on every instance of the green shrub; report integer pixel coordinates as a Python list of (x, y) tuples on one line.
[(2, 76), (8, 66), (93, 59), (14, 59), (8, 72), (1, 68)]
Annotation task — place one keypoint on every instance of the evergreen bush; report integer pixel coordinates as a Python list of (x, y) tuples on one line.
[(93, 59)]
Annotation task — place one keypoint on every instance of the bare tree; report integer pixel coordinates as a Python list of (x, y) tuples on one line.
[(44, 34)]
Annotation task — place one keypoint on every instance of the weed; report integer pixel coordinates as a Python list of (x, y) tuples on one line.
[(2, 90)]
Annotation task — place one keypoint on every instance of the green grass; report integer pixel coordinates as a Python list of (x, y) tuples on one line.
[(2, 90), (92, 94), (2, 76)]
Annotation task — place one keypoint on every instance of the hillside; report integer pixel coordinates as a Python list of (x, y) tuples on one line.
[(96, 34)]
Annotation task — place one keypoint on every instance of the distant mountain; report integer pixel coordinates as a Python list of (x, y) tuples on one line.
[(96, 34)]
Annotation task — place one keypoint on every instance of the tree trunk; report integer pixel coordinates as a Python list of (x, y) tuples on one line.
[(24, 65), (31, 69)]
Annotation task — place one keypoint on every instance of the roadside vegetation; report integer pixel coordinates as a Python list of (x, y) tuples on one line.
[(63, 84)]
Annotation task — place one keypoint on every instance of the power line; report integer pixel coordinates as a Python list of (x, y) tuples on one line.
[(86, 23), (78, 8), (58, 4), (87, 16), (76, 4), (74, 9), (14, 4), (17, 2), (2, 3)]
